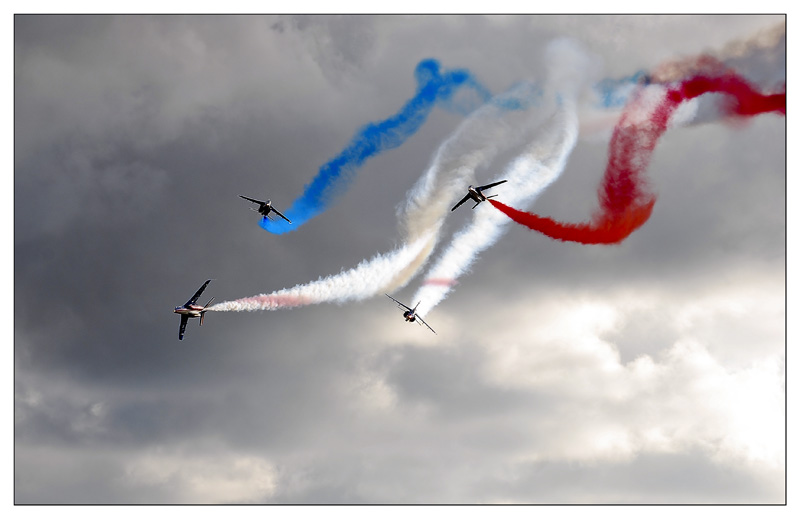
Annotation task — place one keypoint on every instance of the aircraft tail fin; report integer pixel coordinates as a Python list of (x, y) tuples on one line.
[(203, 312)]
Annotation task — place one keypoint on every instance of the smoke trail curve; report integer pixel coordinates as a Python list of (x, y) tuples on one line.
[(625, 202), (761, 58), (528, 175), (476, 141), (334, 177), (434, 87), (422, 225)]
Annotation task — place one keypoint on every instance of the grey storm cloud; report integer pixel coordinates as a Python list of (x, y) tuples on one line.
[(646, 372)]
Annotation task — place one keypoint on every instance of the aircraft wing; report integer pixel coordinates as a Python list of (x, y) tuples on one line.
[(461, 202), (184, 319), (281, 215), (196, 295), (251, 199), (426, 324), (487, 186), (398, 302)]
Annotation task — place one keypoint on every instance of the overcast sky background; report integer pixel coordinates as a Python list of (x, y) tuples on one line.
[(648, 372)]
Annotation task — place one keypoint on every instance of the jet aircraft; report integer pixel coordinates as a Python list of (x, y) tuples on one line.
[(265, 208), (476, 194), (191, 309), (410, 314)]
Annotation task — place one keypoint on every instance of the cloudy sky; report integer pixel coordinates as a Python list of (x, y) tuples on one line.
[(647, 372)]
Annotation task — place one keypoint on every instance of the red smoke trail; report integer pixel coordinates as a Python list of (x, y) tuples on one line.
[(625, 202), (605, 229)]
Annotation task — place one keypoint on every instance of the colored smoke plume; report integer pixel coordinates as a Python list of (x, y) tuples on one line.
[(334, 177), (477, 140), (540, 163), (625, 200)]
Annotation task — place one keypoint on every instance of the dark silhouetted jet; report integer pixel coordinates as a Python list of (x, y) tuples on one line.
[(265, 208), (476, 194), (410, 314)]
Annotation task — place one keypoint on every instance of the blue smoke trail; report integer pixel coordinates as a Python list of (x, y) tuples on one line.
[(334, 177), (433, 87), (614, 93)]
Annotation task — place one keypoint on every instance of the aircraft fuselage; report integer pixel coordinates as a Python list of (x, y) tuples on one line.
[(475, 194), (265, 208), (190, 311)]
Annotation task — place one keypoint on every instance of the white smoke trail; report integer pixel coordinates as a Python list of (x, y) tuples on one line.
[(477, 140), (351, 285), (758, 57), (528, 175)]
